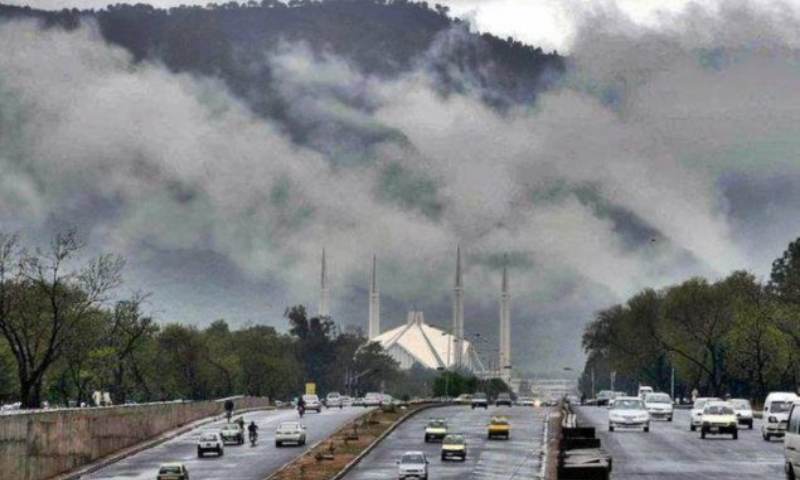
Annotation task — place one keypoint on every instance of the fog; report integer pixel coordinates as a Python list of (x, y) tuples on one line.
[(665, 152)]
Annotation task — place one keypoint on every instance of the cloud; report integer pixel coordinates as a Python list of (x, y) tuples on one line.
[(655, 159)]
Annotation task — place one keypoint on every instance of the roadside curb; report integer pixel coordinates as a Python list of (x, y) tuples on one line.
[(350, 466), (148, 444)]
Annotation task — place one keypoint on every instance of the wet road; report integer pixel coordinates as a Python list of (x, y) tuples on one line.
[(671, 452), (239, 462), (516, 458)]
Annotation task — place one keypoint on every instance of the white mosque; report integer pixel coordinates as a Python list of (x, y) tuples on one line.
[(418, 343)]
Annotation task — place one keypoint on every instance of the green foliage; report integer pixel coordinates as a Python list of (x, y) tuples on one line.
[(734, 336)]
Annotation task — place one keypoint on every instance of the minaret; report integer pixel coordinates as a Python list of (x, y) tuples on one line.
[(374, 325), (324, 293), (505, 325), (458, 314)]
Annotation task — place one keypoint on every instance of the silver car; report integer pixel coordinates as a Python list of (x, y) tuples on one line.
[(413, 465), (290, 432)]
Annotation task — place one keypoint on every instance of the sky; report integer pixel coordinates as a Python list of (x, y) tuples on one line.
[(669, 150)]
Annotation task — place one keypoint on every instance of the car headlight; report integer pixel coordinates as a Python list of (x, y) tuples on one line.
[(772, 419)]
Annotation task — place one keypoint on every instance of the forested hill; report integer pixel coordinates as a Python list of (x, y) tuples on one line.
[(379, 37)]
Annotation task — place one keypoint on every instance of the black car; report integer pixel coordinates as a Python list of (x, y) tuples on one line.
[(503, 399)]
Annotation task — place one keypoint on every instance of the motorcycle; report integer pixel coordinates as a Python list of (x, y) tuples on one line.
[(253, 438), (301, 410)]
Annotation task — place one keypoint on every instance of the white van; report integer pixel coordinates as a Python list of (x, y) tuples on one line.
[(776, 414), (644, 390), (791, 442)]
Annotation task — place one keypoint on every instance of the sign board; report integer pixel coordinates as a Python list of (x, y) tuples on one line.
[(311, 388)]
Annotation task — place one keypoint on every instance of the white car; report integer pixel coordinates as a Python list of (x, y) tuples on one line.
[(659, 405), (791, 443), (333, 399), (696, 419), (776, 414), (347, 401), (210, 442), (290, 432), (373, 400), (744, 412), (644, 390), (412, 465), (312, 403), (628, 412)]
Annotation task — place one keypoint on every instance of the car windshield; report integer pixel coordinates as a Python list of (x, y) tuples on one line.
[(625, 404), (208, 438), (718, 410), (780, 407), (741, 405), (437, 424), (480, 396), (657, 398), (170, 469), (232, 426), (699, 404), (454, 440), (499, 421), (412, 458)]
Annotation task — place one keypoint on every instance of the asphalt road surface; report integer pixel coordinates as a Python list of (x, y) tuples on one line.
[(240, 462), (516, 458), (671, 452)]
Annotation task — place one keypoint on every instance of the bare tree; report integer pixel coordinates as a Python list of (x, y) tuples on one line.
[(44, 299)]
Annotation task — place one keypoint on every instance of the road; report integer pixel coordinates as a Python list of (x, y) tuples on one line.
[(516, 458), (671, 452), (239, 462)]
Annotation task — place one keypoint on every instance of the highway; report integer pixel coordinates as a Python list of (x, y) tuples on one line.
[(516, 458), (671, 452), (239, 462)]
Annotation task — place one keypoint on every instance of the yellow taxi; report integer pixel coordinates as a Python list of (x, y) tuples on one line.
[(173, 471), (435, 430), (719, 418), (454, 446), (499, 427)]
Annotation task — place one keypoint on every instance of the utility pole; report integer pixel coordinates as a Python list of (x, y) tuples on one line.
[(673, 384), (594, 395), (613, 380)]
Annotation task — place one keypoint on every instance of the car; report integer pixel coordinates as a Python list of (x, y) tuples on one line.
[(358, 402), (644, 390), (172, 471), (333, 399), (479, 400), (696, 415), (659, 405), (347, 401), (628, 412), (312, 403), (776, 414), (412, 465), (791, 442), (373, 399), (290, 432), (435, 430), (210, 442), (232, 433), (464, 399), (498, 427), (744, 412), (603, 397), (454, 445), (719, 418), (503, 399)]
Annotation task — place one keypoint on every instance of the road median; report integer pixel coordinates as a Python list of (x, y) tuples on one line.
[(333, 457)]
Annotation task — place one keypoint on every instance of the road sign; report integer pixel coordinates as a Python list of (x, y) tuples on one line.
[(311, 388)]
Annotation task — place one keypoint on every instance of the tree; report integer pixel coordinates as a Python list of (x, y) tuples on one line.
[(129, 329), (44, 302)]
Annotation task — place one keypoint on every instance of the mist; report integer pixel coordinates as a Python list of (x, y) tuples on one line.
[(664, 152)]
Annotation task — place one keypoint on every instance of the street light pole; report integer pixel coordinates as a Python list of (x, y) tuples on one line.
[(672, 381)]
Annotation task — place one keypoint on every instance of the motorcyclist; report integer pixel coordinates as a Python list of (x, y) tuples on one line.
[(301, 406), (253, 429)]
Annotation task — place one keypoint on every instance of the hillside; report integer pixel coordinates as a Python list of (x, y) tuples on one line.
[(378, 37)]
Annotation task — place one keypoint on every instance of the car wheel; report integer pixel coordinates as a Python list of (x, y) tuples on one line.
[(703, 434), (221, 452), (647, 429), (670, 419), (790, 472), (278, 444), (766, 436), (444, 458), (736, 434), (692, 428), (199, 453), (611, 428), (750, 425)]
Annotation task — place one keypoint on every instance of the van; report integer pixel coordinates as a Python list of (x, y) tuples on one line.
[(791, 442), (644, 390), (776, 414)]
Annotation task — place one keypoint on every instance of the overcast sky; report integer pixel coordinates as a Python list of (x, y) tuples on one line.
[(547, 23)]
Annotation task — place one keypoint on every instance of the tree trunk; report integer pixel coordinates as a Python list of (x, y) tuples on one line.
[(30, 393)]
